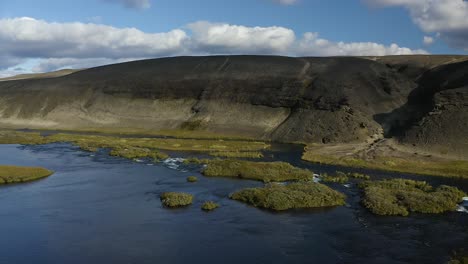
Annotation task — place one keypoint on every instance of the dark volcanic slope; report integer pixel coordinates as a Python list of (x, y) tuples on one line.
[(282, 98), (440, 109)]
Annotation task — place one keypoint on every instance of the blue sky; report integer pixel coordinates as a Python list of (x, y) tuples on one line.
[(64, 33)]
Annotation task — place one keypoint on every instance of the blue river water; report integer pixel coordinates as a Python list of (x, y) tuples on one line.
[(102, 209)]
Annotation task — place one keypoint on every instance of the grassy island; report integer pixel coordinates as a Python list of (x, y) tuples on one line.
[(334, 179), (260, 171), (209, 206), (137, 153), (174, 199), (192, 179), (400, 197), (292, 196), (16, 174)]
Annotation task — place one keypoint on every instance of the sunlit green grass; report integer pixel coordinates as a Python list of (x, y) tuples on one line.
[(137, 153), (237, 154), (292, 196), (175, 199), (192, 179), (16, 174), (401, 197), (334, 178), (209, 206), (260, 171), (455, 169), (135, 147)]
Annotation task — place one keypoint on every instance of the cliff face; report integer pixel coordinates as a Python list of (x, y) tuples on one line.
[(281, 98)]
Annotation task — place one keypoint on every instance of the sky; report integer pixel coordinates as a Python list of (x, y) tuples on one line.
[(48, 35)]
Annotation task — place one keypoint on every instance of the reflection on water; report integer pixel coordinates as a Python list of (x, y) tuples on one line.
[(101, 209)]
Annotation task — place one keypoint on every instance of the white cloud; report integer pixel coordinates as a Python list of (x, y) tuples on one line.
[(233, 39), (80, 45), (286, 2), (138, 4), (449, 18), (28, 37), (428, 40), (312, 45)]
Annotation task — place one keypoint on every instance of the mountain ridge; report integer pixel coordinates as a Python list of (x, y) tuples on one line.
[(307, 99)]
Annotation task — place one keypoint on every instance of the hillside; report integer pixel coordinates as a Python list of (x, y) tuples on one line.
[(323, 100), (53, 74)]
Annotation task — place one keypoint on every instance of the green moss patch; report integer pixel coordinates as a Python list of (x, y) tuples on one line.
[(237, 154), (400, 197), (192, 179), (355, 175), (295, 195), (137, 153), (334, 179), (193, 160), (15, 174), (175, 199), (209, 206), (260, 171), (341, 177)]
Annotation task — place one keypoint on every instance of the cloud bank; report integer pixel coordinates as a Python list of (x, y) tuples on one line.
[(79, 45), (446, 18)]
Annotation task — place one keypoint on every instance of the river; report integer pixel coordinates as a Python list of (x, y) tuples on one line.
[(102, 209)]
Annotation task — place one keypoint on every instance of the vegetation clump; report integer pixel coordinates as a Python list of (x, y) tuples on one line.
[(260, 171), (192, 179), (137, 153), (209, 206), (175, 199), (16, 174), (237, 154), (292, 196), (358, 176), (400, 197), (87, 147), (341, 177), (334, 179)]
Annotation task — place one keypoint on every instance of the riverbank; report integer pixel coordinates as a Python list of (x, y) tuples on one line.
[(387, 155), (384, 155)]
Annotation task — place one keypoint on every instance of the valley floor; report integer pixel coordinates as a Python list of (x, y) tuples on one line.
[(387, 154)]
